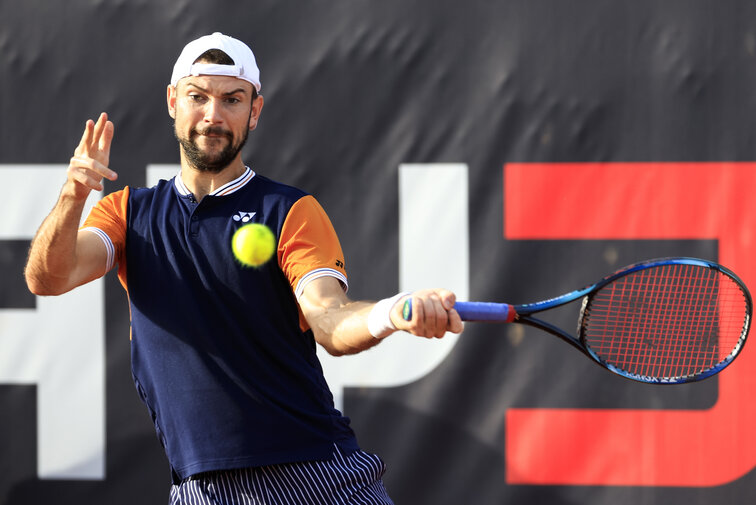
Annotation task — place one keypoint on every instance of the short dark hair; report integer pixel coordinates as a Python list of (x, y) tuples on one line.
[(218, 57), (215, 56)]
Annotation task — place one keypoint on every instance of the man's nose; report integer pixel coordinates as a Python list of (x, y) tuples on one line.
[(213, 112)]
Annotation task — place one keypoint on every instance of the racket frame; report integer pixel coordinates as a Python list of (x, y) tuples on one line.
[(506, 313)]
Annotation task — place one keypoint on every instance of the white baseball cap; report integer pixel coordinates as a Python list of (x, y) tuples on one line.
[(245, 66)]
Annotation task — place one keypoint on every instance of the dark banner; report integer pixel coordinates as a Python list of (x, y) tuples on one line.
[(509, 150)]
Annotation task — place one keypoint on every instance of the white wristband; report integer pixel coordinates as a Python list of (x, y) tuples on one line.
[(379, 320)]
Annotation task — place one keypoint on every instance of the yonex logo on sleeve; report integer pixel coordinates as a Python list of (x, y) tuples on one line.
[(244, 216)]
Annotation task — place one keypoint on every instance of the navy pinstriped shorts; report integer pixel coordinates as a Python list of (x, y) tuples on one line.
[(352, 479)]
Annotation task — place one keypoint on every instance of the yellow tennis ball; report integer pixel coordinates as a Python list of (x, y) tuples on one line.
[(253, 244)]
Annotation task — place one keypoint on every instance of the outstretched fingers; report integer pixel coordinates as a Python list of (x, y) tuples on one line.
[(89, 165), (96, 139), (102, 136)]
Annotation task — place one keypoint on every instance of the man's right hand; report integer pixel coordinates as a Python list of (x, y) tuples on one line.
[(61, 257), (89, 163)]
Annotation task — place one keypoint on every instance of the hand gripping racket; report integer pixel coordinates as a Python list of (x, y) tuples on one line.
[(662, 321)]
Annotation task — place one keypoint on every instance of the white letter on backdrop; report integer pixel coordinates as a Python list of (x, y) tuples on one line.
[(60, 345), (434, 251)]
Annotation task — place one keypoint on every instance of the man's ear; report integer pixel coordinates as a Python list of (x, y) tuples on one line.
[(171, 99), (257, 106)]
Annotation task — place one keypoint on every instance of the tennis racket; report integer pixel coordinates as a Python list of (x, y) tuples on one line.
[(662, 321)]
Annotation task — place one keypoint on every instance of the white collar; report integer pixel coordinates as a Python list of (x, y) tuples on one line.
[(226, 189)]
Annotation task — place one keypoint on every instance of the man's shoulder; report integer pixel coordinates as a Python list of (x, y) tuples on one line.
[(162, 186), (278, 188)]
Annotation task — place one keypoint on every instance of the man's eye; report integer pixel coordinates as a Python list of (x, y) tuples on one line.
[(232, 100), (196, 98)]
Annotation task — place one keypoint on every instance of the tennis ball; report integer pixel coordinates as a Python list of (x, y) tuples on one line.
[(253, 244)]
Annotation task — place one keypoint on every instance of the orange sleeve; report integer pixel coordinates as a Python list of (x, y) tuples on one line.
[(108, 219), (308, 247)]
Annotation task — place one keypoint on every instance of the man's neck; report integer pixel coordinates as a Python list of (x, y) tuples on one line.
[(203, 183)]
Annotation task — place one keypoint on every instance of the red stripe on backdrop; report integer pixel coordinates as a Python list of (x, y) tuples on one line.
[(638, 201)]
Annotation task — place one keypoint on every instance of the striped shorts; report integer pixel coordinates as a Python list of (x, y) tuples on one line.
[(345, 479)]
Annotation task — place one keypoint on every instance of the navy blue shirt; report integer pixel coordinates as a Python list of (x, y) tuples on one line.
[(220, 354)]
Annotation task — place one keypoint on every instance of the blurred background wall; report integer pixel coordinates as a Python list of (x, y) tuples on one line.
[(511, 150)]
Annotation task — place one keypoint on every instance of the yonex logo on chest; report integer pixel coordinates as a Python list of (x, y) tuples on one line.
[(243, 216)]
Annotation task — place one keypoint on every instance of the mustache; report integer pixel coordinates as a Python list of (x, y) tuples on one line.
[(213, 130)]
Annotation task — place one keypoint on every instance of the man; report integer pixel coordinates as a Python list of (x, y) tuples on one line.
[(224, 356)]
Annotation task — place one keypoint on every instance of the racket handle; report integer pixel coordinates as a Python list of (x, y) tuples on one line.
[(486, 311), (474, 311)]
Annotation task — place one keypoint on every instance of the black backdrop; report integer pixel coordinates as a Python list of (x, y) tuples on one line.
[(353, 90)]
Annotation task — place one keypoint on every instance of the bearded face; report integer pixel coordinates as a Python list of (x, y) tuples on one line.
[(213, 116), (212, 148)]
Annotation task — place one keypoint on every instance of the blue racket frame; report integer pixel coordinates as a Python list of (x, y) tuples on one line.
[(507, 313)]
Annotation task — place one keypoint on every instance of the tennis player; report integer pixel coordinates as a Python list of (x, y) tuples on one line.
[(224, 356)]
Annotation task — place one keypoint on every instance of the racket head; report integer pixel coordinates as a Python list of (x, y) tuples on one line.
[(666, 321)]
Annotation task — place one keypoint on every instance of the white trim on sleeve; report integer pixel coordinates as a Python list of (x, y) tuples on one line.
[(316, 274), (108, 244)]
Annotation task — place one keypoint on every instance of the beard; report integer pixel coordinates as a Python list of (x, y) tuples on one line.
[(205, 161)]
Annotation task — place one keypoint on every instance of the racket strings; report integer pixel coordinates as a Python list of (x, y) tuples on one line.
[(668, 321)]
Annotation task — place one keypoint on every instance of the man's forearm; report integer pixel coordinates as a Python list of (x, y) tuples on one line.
[(52, 255), (343, 329)]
